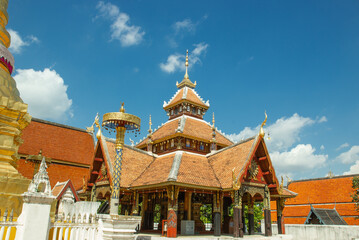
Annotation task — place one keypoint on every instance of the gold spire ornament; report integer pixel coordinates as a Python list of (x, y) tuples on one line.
[(120, 122), (261, 131), (186, 82), (13, 119)]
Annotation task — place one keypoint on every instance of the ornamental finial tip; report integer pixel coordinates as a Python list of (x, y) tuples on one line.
[(150, 123), (122, 109), (186, 64), (261, 131), (213, 121)]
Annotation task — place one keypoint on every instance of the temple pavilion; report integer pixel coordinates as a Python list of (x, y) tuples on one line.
[(185, 164)]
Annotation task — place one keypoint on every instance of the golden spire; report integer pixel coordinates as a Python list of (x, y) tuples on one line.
[(261, 131), (186, 64), (150, 123), (186, 82), (213, 121)]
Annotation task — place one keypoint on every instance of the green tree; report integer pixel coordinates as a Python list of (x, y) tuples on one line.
[(206, 213), (355, 194)]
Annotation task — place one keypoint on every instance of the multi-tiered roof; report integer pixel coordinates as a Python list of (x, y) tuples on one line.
[(185, 128)]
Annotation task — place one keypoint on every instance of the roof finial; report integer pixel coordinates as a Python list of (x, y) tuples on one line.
[(186, 74), (122, 109), (261, 131), (213, 121), (150, 123)]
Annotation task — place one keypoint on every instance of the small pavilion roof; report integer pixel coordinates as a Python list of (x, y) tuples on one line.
[(186, 94), (60, 188), (325, 216)]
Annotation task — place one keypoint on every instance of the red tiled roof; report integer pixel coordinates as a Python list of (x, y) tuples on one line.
[(321, 193), (191, 96), (61, 187), (196, 170), (193, 127), (201, 129), (57, 173), (57, 142), (134, 162), (233, 157), (193, 169), (326, 190), (156, 172)]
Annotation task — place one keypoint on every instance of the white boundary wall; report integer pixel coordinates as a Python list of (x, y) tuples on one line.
[(320, 232)]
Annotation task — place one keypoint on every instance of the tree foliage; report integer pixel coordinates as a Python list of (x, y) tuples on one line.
[(355, 194)]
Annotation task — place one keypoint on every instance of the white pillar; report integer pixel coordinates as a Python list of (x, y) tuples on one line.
[(35, 212)]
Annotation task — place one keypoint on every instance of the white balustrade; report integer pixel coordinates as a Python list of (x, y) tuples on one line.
[(7, 225)]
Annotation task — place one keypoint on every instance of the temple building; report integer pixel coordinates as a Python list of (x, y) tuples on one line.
[(186, 164), (68, 151), (332, 192)]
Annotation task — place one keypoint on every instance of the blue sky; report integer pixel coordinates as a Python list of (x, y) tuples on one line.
[(298, 60)]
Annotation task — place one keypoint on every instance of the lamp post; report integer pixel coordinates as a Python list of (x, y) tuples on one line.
[(119, 122)]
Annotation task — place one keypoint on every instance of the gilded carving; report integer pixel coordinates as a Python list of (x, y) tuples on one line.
[(253, 169), (236, 184)]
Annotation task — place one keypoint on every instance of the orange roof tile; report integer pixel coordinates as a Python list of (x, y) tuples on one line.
[(57, 173), (57, 142), (233, 157), (193, 127), (186, 94), (196, 170), (134, 162), (297, 220), (201, 129), (156, 172), (61, 187), (325, 190)]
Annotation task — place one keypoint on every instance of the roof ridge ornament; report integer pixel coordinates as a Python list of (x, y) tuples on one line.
[(186, 81), (261, 131)]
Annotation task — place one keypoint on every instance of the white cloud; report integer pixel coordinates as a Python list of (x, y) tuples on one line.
[(350, 156), (354, 169), (288, 158), (176, 61), (298, 159), (121, 29), (186, 25), (17, 43), (322, 147), (283, 133), (323, 119), (45, 92), (344, 145)]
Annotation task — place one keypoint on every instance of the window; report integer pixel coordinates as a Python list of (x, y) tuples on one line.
[(199, 111), (172, 142), (193, 110), (188, 143), (180, 108), (201, 146), (188, 108), (171, 112)]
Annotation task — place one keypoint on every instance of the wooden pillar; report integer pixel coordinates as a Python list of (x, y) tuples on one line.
[(216, 214), (135, 211), (250, 215), (237, 215), (189, 202), (280, 218), (267, 214), (144, 209), (172, 193)]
